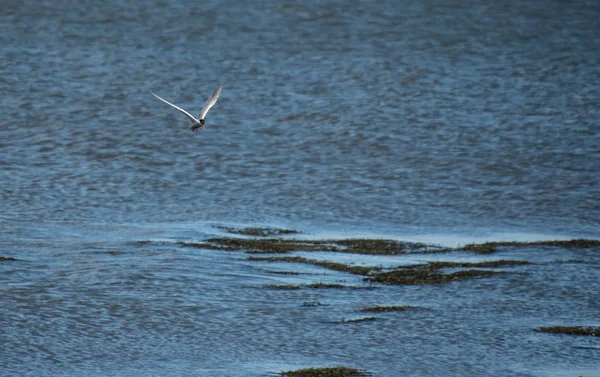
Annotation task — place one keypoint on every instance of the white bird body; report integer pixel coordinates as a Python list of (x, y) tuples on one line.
[(197, 122)]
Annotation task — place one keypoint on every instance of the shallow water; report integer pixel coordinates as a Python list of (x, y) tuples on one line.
[(430, 121), (159, 308)]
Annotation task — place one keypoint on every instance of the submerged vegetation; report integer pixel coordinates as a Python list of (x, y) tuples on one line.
[(572, 330), (339, 371)]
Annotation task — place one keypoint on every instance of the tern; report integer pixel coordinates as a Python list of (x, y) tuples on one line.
[(197, 122)]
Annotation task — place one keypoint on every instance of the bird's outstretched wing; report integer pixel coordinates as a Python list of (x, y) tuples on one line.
[(194, 120), (211, 102)]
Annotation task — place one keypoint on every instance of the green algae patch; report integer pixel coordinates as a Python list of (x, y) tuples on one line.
[(420, 275), (572, 330), (491, 247), (384, 309), (338, 371), (7, 259), (357, 270), (258, 231)]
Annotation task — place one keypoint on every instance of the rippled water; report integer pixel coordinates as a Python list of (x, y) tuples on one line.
[(424, 120)]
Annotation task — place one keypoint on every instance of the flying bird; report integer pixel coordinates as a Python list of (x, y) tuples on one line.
[(197, 122)]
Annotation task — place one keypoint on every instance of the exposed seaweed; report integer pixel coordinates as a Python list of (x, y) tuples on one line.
[(387, 247), (279, 245), (491, 247), (284, 286), (316, 286), (484, 264), (294, 259), (359, 246), (383, 309), (327, 286), (258, 231), (7, 259), (338, 371), (412, 275), (429, 273), (266, 246), (283, 272), (357, 270), (572, 330), (418, 275)]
